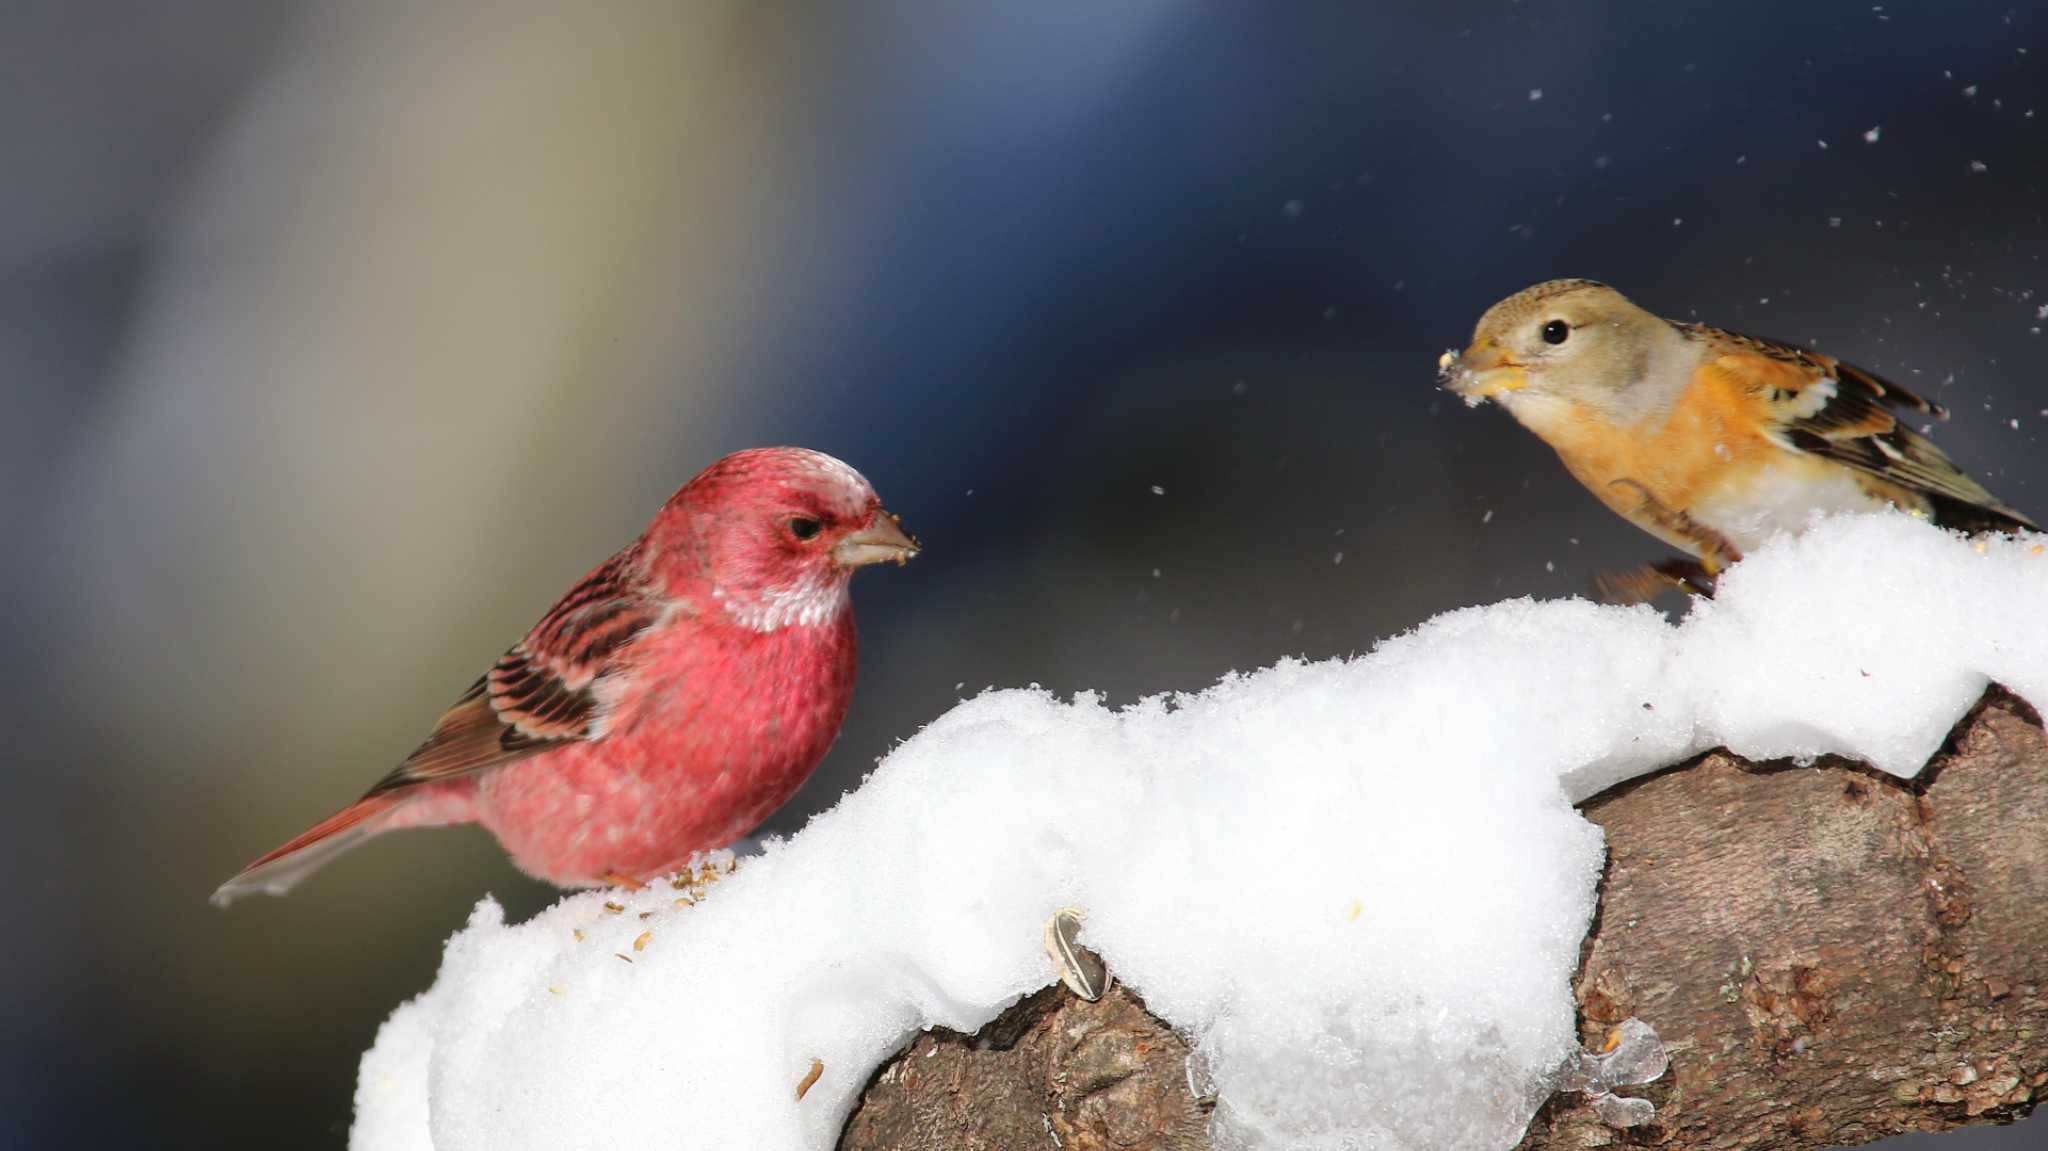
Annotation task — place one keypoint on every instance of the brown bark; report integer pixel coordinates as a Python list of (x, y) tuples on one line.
[(1831, 955)]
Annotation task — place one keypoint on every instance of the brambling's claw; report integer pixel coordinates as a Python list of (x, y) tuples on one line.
[(1646, 583), (1079, 968), (1691, 578)]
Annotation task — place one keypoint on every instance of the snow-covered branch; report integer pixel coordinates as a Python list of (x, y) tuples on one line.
[(1830, 955), (1359, 889)]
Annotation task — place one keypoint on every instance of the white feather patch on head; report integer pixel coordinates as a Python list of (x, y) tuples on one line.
[(840, 477)]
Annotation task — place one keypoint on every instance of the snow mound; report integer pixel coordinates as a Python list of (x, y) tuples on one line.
[(1359, 886)]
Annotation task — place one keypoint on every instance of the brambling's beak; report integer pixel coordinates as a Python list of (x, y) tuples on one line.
[(882, 541), (1479, 373)]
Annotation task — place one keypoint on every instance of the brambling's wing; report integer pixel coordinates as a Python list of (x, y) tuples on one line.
[(1843, 413), (545, 691)]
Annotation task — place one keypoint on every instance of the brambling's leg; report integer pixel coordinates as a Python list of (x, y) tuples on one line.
[(1712, 547)]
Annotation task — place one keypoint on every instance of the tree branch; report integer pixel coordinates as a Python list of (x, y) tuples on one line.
[(1832, 956)]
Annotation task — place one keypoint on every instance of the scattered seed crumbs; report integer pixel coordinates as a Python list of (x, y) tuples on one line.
[(811, 1077)]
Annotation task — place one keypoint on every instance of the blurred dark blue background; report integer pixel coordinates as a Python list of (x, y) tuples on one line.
[(337, 340)]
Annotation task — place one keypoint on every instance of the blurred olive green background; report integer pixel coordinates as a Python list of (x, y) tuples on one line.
[(337, 339)]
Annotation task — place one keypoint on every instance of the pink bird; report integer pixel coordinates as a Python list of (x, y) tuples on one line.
[(673, 699)]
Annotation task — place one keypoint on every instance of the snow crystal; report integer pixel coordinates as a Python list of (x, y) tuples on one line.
[(1358, 886)]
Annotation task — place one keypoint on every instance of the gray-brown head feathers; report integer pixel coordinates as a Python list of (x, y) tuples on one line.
[(1567, 340)]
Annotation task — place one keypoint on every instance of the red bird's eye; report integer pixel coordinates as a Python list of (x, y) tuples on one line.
[(804, 527)]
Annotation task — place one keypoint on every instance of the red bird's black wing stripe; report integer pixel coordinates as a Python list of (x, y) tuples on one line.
[(543, 692)]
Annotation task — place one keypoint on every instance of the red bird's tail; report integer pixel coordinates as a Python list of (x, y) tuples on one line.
[(276, 871)]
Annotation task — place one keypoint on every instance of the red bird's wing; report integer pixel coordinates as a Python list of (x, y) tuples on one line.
[(545, 691)]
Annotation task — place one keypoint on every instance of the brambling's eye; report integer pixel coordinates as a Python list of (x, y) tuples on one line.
[(1556, 332), (804, 527)]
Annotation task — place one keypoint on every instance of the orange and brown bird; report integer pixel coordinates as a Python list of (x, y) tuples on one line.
[(1709, 440)]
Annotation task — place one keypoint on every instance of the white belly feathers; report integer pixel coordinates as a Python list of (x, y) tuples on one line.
[(1779, 498)]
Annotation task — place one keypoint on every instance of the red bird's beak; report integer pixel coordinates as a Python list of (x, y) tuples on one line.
[(882, 541)]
